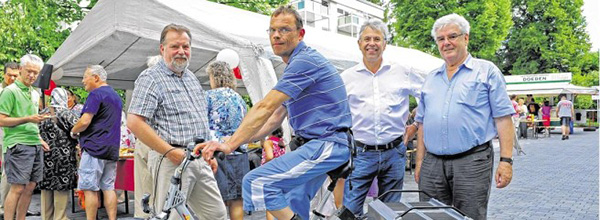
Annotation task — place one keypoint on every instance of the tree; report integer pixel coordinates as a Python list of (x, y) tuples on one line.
[(547, 37), (259, 6), (490, 21), (35, 26), (377, 2)]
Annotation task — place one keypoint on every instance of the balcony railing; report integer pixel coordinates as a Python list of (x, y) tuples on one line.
[(349, 24)]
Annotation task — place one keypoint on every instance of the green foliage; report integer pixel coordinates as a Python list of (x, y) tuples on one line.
[(547, 37), (490, 21), (584, 102), (587, 80), (247, 100), (377, 2), (259, 6), (82, 94), (35, 26), (412, 103)]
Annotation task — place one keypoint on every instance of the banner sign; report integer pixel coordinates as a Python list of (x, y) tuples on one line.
[(539, 78)]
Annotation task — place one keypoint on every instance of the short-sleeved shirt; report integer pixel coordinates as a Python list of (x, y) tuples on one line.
[(380, 108), (226, 109), (175, 107), (318, 105), (546, 110), (565, 108), (16, 101), (102, 137), (458, 114)]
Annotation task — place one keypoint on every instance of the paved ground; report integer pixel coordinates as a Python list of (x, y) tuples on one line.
[(555, 180)]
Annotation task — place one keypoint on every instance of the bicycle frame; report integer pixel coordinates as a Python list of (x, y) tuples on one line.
[(176, 198)]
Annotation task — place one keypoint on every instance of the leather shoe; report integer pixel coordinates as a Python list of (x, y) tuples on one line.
[(32, 213)]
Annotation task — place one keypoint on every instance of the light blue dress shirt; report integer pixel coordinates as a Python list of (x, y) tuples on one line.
[(458, 114), (379, 102)]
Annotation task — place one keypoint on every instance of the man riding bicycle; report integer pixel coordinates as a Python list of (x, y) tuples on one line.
[(312, 93)]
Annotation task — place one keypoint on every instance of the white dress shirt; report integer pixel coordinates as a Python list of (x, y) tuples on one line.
[(379, 101)]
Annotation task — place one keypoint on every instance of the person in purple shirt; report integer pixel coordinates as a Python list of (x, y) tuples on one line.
[(99, 132), (463, 106)]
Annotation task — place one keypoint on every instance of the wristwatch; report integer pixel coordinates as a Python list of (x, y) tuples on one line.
[(506, 159)]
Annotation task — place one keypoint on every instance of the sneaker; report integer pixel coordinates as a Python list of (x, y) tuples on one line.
[(567, 137), (563, 138)]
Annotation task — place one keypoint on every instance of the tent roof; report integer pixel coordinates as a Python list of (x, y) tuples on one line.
[(120, 35), (548, 89)]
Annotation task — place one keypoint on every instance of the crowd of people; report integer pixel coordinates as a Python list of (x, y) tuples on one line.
[(528, 111), (462, 106)]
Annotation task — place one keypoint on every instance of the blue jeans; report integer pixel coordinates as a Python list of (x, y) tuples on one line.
[(292, 179), (387, 166)]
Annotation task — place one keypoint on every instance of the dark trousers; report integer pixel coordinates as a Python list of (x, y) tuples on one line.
[(523, 129), (464, 182)]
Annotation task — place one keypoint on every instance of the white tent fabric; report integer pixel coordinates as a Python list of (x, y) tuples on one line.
[(120, 35), (548, 89)]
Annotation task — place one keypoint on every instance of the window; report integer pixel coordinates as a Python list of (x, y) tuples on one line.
[(300, 5)]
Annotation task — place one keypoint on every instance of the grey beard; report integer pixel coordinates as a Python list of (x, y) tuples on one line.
[(180, 67)]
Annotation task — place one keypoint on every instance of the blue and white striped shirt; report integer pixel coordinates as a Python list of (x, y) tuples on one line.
[(318, 105), (175, 107)]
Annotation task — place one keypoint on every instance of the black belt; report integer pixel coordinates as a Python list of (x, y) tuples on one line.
[(475, 149), (381, 147), (298, 141)]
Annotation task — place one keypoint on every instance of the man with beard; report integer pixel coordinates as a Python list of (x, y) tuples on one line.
[(168, 109)]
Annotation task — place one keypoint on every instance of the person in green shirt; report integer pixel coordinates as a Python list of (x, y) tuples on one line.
[(23, 145)]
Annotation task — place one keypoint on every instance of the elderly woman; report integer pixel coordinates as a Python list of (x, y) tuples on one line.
[(73, 102), (60, 163), (226, 109)]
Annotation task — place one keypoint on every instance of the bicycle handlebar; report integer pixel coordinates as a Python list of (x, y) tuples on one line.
[(190, 150)]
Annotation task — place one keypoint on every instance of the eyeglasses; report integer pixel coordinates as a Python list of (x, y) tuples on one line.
[(282, 31), (450, 38)]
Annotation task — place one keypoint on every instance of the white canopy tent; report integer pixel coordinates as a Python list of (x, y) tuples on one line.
[(120, 35)]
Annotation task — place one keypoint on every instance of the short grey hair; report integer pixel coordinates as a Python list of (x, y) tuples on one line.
[(98, 70), (153, 60), (453, 18), (375, 24), (221, 74), (32, 59)]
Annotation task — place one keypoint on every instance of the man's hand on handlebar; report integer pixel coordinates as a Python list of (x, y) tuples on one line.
[(208, 149)]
